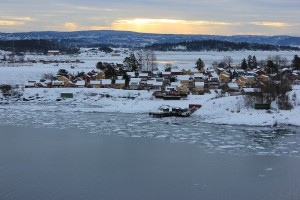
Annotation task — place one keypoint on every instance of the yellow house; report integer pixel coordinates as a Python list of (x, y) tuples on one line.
[(199, 87), (64, 79), (95, 84), (183, 89), (245, 80), (225, 77), (241, 83), (263, 78), (120, 84)]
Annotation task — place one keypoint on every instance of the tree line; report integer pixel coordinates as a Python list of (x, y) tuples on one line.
[(36, 46), (217, 45)]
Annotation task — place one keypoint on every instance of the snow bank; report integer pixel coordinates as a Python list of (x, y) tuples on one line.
[(219, 110)]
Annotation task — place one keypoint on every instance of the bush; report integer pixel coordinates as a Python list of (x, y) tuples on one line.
[(6, 89)]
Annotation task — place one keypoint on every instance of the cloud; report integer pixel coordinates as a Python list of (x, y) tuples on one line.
[(272, 24), (10, 23), (172, 26), (69, 26)]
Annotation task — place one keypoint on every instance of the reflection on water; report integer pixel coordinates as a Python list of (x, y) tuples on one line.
[(215, 138)]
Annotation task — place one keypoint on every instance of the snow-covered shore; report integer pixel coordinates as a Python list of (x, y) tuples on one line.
[(220, 110)]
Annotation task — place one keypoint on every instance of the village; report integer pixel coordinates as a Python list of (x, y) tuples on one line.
[(173, 83)]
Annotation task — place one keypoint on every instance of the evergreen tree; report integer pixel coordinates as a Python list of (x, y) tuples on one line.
[(250, 62), (200, 64), (62, 72), (296, 62), (254, 62), (131, 62), (271, 67), (244, 64), (100, 66)]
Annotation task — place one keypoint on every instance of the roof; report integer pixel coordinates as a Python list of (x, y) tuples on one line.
[(233, 85), (143, 74), (249, 90), (106, 81), (199, 75), (199, 84), (120, 81), (58, 83), (183, 77), (95, 82), (80, 83)]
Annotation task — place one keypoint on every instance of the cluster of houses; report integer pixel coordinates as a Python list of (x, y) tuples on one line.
[(193, 81)]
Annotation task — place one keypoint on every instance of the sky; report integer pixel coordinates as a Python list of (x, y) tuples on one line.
[(213, 17)]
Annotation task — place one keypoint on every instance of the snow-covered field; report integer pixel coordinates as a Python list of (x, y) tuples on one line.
[(225, 110)]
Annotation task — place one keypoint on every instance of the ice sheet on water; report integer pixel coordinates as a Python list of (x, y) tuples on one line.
[(214, 138)]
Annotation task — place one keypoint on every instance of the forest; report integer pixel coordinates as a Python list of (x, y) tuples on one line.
[(218, 45), (36, 46)]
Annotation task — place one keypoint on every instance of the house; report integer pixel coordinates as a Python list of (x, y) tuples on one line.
[(213, 81), (233, 87), (80, 84), (106, 83), (219, 70), (64, 79), (251, 91), (152, 84), (58, 84), (263, 78), (30, 84), (184, 79), (246, 81), (166, 75), (176, 72), (120, 84), (199, 77), (199, 87), (134, 83), (95, 84), (132, 74), (225, 77), (53, 52)]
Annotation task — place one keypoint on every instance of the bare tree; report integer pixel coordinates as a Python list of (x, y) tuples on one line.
[(227, 60)]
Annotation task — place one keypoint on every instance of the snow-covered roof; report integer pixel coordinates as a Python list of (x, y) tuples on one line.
[(175, 84), (199, 84), (233, 85), (80, 83), (199, 75), (175, 70), (183, 77), (120, 81), (157, 83), (132, 74), (166, 73), (143, 74), (29, 84), (106, 81), (135, 80), (95, 82), (249, 90), (58, 83)]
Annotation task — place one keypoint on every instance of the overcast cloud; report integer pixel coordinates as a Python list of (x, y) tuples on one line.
[(220, 17)]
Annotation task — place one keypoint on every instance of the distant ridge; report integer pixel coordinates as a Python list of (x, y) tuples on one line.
[(134, 39)]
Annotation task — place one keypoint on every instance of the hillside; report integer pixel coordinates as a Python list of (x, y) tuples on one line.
[(127, 38)]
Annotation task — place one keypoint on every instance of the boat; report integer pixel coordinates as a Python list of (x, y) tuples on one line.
[(175, 112)]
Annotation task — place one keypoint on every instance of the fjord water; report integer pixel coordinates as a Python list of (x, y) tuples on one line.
[(61, 155)]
